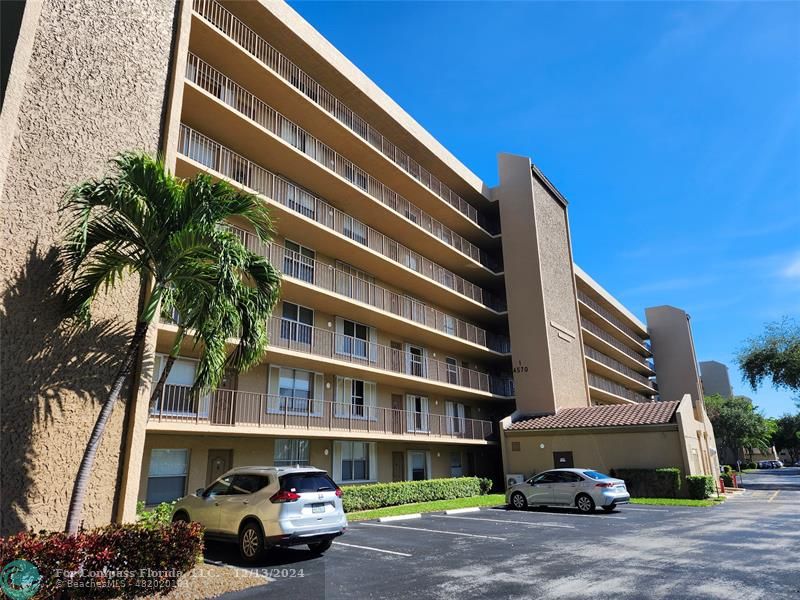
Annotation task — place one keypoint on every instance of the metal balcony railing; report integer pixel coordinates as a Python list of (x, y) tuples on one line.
[(617, 366), (299, 337), (182, 404), (227, 163), (604, 335), (615, 388), (607, 314), (263, 51), (293, 264), (252, 107)]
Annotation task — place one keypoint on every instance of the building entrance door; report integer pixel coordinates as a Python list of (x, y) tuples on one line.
[(562, 460), (398, 466), (219, 461), (397, 415)]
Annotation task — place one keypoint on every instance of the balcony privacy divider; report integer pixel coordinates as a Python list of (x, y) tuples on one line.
[(182, 404)]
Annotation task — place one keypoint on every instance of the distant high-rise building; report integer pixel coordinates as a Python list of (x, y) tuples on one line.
[(715, 378)]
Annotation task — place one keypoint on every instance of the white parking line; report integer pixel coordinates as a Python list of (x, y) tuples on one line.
[(627, 508), (532, 523), (570, 514), (472, 535), (373, 549)]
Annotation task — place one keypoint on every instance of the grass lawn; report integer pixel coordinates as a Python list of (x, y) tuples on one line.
[(421, 507), (677, 501)]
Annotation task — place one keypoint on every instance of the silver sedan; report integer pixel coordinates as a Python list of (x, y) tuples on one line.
[(583, 488)]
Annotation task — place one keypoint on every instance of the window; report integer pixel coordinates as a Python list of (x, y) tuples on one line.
[(546, 477), (291, 452), (177, 397), (247, 484), (355, 230), (449, 326), (355, 398), (355, 461), (298, 261), (302, 483), (166, 478), (297, 323), (452, 370), (417, 413), (220, 487), (415, 360), (455, 417), (300, 201), (568, 477), (418, 466), (456, 470), (295, 390), (353, 339)]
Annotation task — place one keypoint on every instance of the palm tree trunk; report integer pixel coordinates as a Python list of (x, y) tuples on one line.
[(162, 380), (87, 463)]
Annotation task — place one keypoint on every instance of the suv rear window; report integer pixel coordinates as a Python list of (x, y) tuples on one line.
[(307, 482)]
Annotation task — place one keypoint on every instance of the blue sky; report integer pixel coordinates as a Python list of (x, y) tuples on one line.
[(672, 128)]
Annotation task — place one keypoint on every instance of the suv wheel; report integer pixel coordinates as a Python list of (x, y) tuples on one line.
[(519, 501), (320, 547), (584, 503), (251, 542), (180, 517)]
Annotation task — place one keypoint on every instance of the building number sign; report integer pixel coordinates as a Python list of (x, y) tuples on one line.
[(520, 368)]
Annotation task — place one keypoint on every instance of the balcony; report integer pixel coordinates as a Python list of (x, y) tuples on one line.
[(246, 411), (614, 392), (617, 368), (248, 105), (325, 276), (228, 164), (316, 341), (615, 344), (255, 45), (612, 319)]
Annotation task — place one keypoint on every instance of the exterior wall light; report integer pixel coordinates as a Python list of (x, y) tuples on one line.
[(541, 445)]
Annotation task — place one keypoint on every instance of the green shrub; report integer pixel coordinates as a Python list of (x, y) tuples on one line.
[(159, 515), (751, 465), (378, 495), (651, 483), (727, 479), (486, 485), (700, 486), (726, 468), (118, 561)]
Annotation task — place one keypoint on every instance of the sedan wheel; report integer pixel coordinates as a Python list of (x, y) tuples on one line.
[(518, 501), (250, 542), (585, 503)]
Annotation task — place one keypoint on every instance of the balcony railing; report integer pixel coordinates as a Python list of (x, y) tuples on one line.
[(259, 48), (182, 404), (252, 107), (607, 314), (299, 337), (227, 163), (617, 366), (293, 264), (604, 335), (613, 387)]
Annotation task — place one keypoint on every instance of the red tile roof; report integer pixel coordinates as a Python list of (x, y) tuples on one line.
[(611, 415)]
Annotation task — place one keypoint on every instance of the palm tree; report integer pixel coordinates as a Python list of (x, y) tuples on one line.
[(142, 221)]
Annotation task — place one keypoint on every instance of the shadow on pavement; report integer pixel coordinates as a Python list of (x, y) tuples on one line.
[(277, 557), (560, 510)]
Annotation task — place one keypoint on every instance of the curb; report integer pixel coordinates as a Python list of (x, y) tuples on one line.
[(399, 518), (458, 511)]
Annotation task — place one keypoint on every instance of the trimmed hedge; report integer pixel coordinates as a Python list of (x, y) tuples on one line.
[(700, 486), (651, 483), (727, 468), (378, 495), (118, 561), (727, 479)]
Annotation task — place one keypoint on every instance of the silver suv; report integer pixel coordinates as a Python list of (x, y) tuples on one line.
[(264, 507)]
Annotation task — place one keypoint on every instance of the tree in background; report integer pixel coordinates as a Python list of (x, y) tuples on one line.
[(738, 425), (787, 436), (773, 356)]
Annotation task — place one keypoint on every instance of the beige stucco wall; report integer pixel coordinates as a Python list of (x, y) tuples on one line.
[(673, 353), (547, 355), (260, 451), (595, 449), (79, 100)]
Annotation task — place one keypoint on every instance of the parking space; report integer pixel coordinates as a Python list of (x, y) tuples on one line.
[(637, 551)]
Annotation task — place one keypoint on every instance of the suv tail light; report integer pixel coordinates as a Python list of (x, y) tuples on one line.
[(284, 496), (338, 492)]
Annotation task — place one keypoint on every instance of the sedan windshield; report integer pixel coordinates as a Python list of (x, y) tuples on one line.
[(596, 475)]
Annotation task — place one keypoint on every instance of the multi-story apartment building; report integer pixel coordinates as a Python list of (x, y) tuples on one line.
[(419, 305)]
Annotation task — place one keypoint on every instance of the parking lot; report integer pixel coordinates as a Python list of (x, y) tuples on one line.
[(745, 548)]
